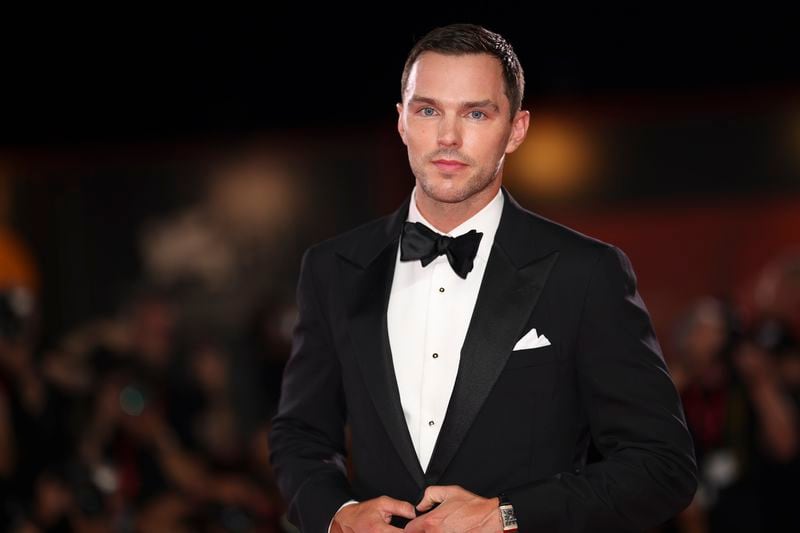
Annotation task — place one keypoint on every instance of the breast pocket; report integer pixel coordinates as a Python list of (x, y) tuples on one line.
[(529, 376), (531, 357)]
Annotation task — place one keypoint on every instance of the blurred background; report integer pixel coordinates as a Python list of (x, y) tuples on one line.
[(162, 173)]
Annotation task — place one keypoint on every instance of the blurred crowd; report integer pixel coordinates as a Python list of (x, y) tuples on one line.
[(737, 368), (133, 424), (142, 421)]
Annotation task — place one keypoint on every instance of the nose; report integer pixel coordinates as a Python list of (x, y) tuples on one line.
[(449, 134)]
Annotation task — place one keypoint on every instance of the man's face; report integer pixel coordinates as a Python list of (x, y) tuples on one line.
[(454, 119)]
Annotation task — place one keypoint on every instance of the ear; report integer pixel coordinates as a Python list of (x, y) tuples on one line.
[(400, 127), (519, 129)]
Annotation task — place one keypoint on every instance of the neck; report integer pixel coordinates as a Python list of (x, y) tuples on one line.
[(446, 216)]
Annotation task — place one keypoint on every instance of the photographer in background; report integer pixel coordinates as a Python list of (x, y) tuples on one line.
[(739, 414), (775, 327)]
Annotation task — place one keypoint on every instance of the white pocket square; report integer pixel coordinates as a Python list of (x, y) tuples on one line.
[(531, 340)]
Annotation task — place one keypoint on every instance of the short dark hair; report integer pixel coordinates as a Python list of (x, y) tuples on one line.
[(463, 39)]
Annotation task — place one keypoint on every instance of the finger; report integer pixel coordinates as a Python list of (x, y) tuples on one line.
[(378, 528), (397, 507), (433, 494), (415, 526)]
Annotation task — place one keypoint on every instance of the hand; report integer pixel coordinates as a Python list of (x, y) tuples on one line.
[(459, 510), (371, 515)]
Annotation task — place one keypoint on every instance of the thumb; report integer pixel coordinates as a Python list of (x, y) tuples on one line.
[(433, 494), (398, 508)]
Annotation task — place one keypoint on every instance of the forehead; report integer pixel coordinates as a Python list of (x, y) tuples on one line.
[(469, 77)]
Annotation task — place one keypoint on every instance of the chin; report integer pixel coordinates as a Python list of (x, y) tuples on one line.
[(445, 191), (451, 190)]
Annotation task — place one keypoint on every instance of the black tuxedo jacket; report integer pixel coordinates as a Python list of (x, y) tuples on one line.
[(519, 422)]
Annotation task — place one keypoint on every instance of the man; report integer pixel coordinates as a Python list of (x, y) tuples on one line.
[(478, 370)]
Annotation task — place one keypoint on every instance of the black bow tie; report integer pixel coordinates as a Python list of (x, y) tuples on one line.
[(420, 242)]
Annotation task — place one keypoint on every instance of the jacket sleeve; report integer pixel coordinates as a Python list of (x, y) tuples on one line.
[(307, 436), (647, 473)]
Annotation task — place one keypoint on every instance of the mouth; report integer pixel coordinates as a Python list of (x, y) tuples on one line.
[(449, 165)]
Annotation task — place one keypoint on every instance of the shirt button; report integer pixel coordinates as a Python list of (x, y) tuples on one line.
[(435, 355), (430, 422), (441, 289)]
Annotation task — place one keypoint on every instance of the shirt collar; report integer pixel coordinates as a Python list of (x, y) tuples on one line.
[(484, 221)]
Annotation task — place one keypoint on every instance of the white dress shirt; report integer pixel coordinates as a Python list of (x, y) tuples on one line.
[(429, 312), (428, 316)]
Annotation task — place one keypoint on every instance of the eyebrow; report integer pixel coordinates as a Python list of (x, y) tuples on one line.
[(416, 99)]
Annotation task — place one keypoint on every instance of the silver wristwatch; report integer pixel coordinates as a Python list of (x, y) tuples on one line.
[(507, 513)]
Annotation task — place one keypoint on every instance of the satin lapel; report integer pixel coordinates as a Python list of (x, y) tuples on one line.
[(506, 299), (369, 287)]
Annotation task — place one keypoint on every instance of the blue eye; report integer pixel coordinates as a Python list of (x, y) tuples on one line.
[(477, 115), (427, 111)]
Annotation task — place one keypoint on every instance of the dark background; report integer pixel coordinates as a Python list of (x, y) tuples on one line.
[(155, 75)]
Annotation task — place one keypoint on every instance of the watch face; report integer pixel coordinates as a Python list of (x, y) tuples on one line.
[(509, 518)]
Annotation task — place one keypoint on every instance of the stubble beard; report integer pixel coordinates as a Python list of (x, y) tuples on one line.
[(476, 182)]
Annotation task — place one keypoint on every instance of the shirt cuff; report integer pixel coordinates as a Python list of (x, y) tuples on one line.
[(345, 504)]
